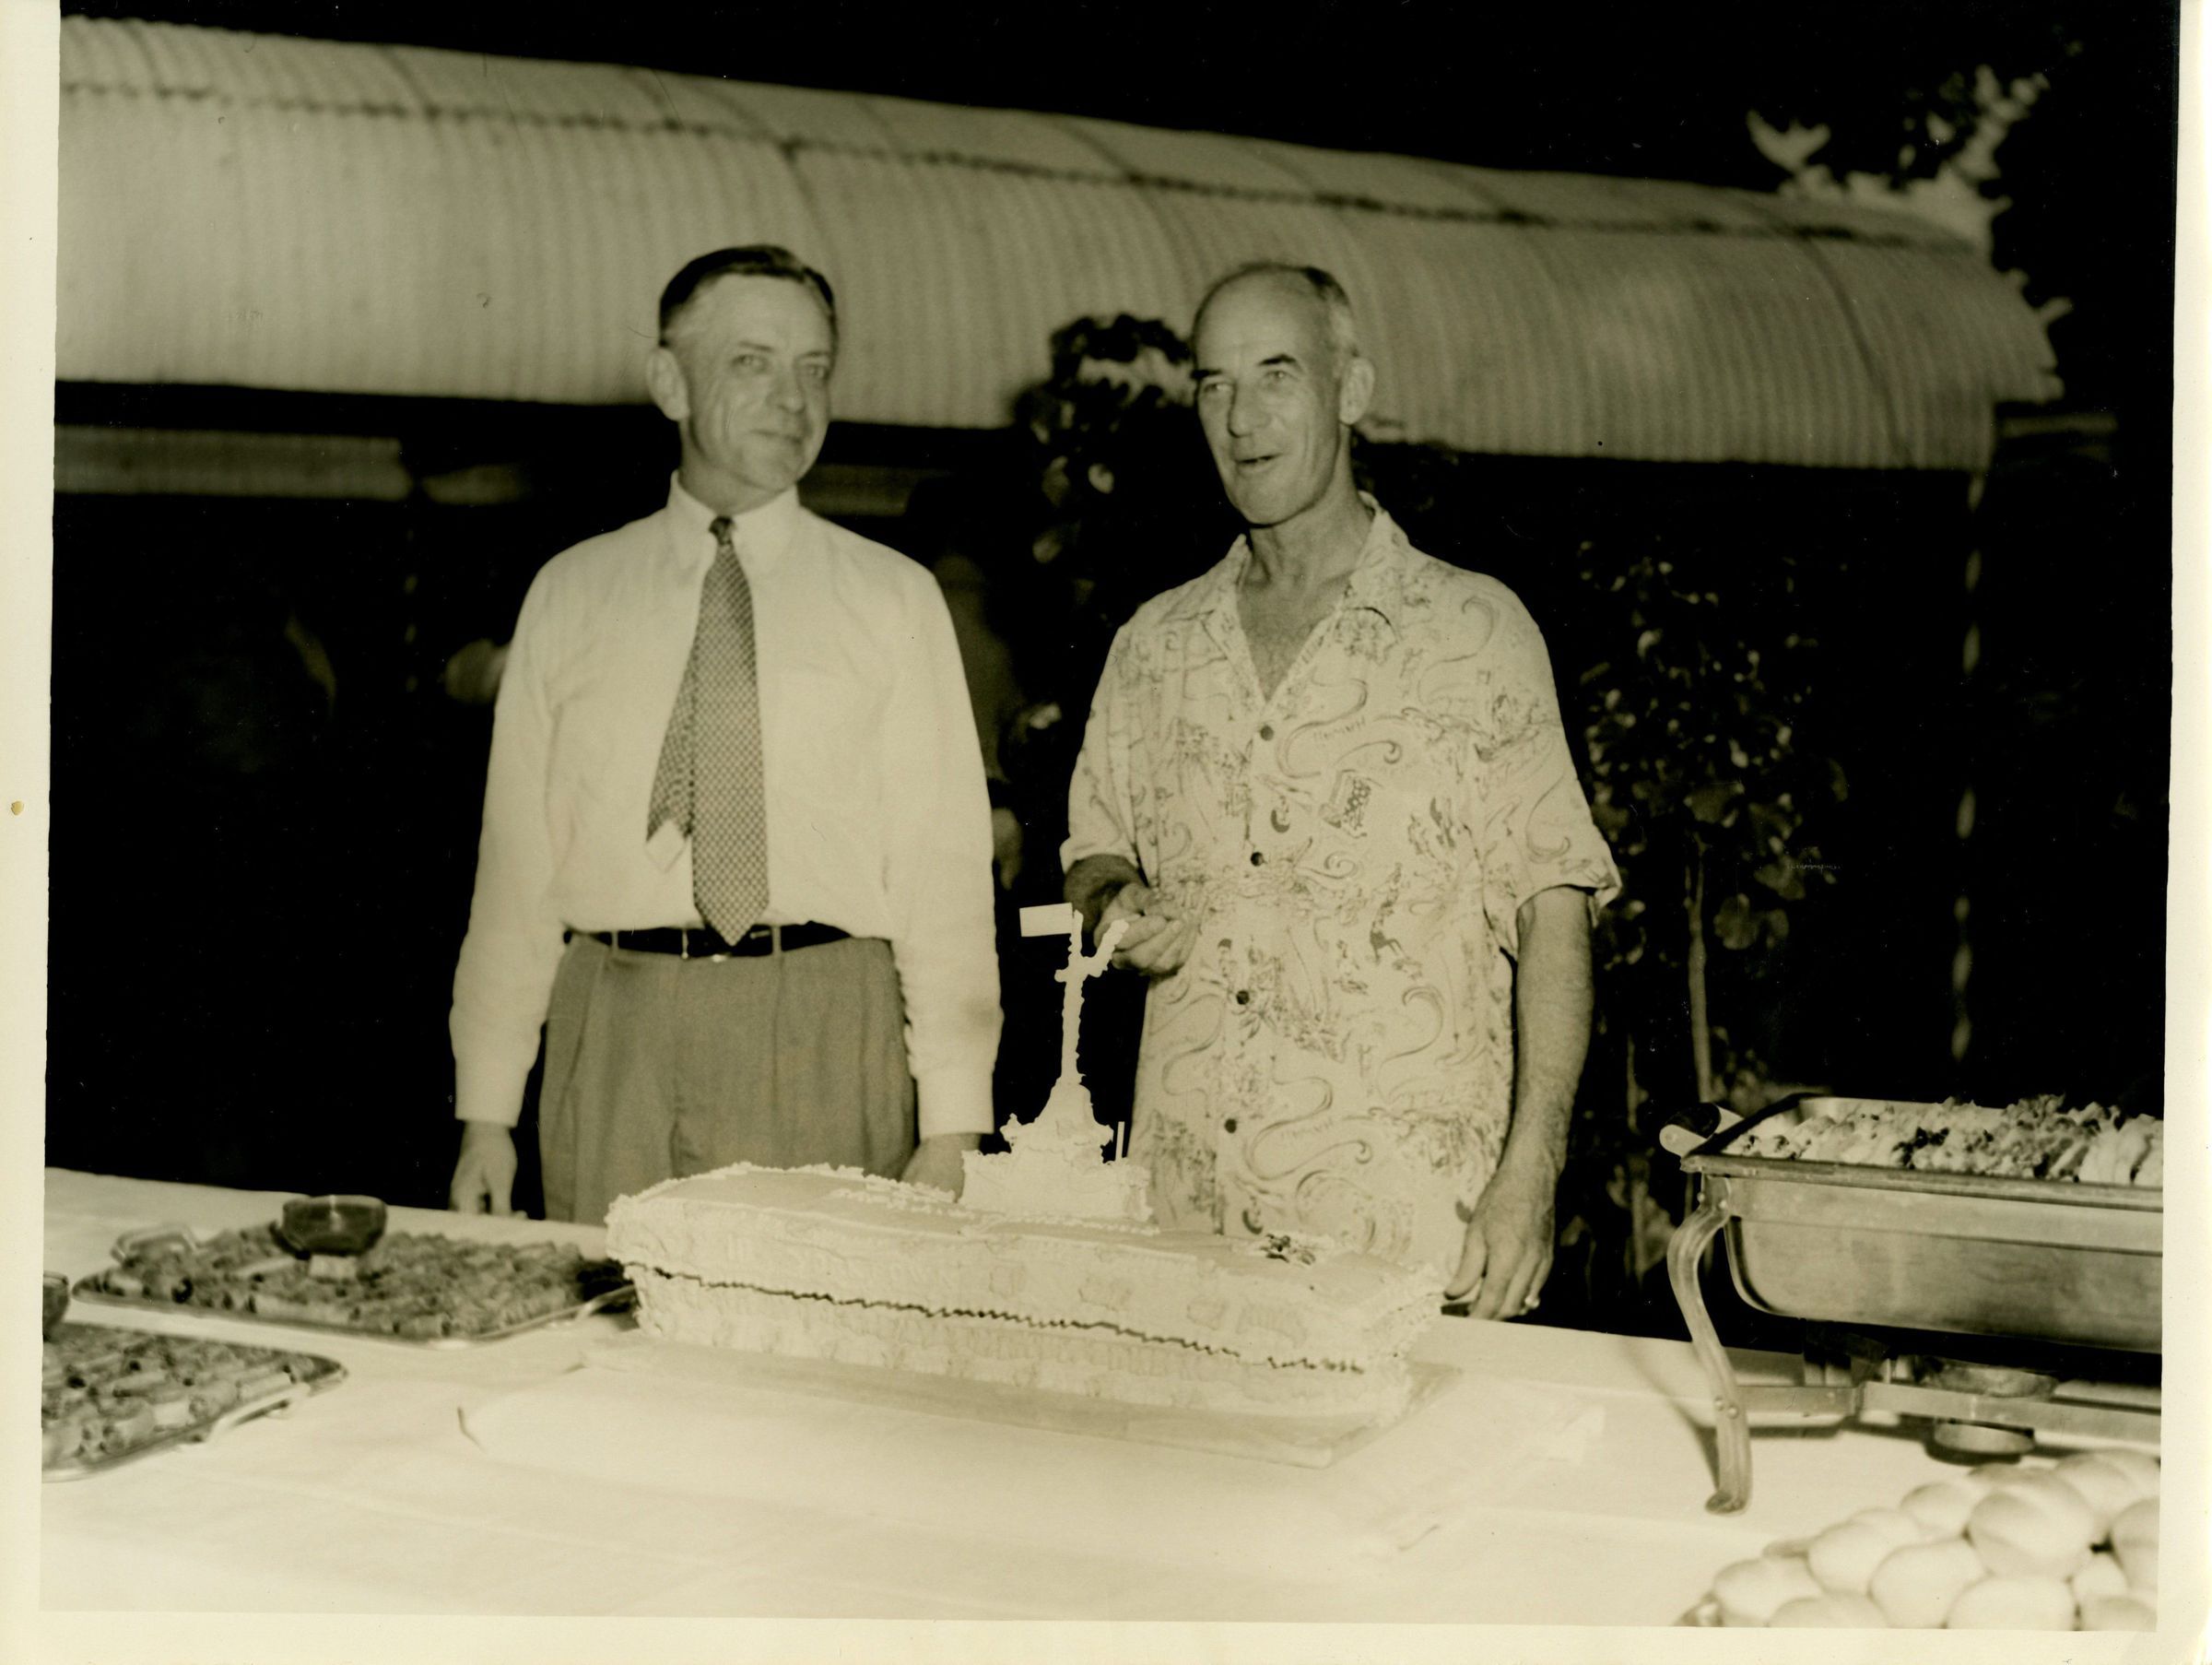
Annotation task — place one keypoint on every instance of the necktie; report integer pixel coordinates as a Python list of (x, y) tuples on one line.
[(709, 780)]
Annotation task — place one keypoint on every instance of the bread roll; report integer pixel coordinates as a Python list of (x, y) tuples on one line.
[(2104, 1485), (1750, 1592), (2038, 1526), (2136, 1541), (1843, 1557), (2101, 1575), (2139, 1466), (1834, 1611), (1941, 1506), (2117, 1612), (1897, 1526), (1916, 1586), (2013, 1604)]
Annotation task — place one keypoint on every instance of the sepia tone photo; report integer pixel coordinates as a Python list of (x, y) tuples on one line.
[(1306, 816)]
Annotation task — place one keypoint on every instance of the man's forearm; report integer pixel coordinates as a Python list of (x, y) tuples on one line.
[(1092, 882), (1551, 1023)]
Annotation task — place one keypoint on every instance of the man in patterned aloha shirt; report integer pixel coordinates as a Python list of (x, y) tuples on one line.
[(1328, 787)]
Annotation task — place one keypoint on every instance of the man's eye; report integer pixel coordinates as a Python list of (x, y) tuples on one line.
[(1212, 390), (749, 362), (815, 372)]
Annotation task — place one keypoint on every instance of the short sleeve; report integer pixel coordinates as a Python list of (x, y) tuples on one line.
[(1533, 826)]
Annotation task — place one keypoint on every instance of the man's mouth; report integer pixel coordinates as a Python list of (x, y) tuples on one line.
[(1252, 465)]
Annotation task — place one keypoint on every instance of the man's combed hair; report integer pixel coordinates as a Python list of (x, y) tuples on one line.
[(753, 260), (1343, 333)]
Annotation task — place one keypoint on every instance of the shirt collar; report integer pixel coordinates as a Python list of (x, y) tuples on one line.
[(1377, 582), (764, 533)]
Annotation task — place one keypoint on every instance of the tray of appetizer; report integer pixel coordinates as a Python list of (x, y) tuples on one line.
[(330, 1266), (109, 1396), (2038, 1220)]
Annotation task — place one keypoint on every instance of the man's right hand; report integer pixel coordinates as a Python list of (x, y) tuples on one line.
[(484, 1177), (1155, 942)]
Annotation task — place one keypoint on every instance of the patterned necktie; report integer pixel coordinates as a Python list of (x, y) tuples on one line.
[(708, 781)]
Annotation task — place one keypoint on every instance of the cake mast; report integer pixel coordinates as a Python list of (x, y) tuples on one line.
[(1055, 1164)]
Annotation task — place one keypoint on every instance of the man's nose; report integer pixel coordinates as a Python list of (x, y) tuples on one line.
[(788, 393), (1244, 413)]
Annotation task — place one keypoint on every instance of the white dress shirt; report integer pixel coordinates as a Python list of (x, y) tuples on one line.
[(878, 822)]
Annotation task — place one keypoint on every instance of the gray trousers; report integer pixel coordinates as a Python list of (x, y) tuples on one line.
[(658, 1068)]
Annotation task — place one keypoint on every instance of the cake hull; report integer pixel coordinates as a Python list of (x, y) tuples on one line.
[(842, 1235), (1092, 1364)]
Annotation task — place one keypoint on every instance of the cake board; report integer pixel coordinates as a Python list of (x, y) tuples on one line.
[(1308, 1442)]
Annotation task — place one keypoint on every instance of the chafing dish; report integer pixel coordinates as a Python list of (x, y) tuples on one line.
[(1875, 1249)]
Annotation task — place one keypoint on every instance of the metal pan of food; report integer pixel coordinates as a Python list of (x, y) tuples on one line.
[(420, 1289), (110, 1396), (1862, 1241)]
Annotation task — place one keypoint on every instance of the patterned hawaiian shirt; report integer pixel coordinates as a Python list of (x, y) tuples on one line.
[(1336, 1056)]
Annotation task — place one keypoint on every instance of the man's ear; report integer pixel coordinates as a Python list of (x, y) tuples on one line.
[(1355, 391), (665, 380)]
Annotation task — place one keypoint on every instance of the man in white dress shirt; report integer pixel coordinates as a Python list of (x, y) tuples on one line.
[(734, 770)]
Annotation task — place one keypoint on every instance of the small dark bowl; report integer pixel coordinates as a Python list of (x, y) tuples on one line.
[(57, 1289), (333, 1225)]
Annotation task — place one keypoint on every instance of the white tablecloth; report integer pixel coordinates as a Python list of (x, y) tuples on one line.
[(1561, 1478)]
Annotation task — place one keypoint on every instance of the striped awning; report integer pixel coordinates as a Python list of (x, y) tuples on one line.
[(280, 213)]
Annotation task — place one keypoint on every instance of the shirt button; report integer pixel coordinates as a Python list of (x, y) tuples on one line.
[(1257, 859), (1229, 1125), (1266, 731), (1243, 997)]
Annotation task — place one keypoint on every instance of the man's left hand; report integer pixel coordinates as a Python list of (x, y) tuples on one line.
[(1508, 1252), (936, 1161)]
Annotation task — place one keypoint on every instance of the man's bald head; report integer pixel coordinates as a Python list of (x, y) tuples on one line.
[(1311, 283)]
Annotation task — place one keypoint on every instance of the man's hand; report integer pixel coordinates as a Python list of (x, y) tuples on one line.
[(936, 1161), (484, 1177), (1509, 1242), (1156, 941), (1508, 1252), (1006, 846)]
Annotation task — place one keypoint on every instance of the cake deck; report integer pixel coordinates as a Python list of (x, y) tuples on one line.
[(1309, 1442)]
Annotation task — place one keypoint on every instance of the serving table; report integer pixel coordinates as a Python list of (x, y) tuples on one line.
[(1560, 1478)]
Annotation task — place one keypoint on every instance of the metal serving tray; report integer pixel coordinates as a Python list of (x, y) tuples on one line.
[(2047, 1259), (615, 1297), (312, 1375)]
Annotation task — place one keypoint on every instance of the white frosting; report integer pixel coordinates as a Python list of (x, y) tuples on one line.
[(826, 1263)]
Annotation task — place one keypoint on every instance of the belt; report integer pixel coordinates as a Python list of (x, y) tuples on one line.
[(702, 942)]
